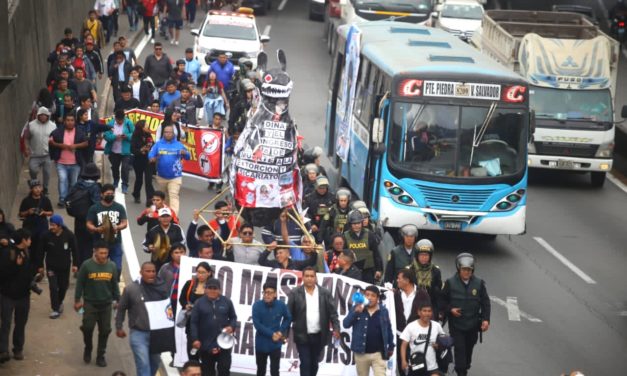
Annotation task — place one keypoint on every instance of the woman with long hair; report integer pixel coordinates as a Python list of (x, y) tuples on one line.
[(193, 290), (141, 142), (44, 99)]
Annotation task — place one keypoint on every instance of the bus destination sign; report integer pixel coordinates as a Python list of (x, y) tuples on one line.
[(462, 90)]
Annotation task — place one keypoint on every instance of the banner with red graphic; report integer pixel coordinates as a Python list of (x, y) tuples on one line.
[(206, 146)]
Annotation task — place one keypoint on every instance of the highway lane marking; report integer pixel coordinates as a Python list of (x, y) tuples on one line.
[(564, 260), (266, 30), (130, 253), (513, 312), (507, 304), (282, 5), (617, 182), (142, 44)]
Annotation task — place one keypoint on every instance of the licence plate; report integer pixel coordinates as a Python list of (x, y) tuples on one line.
[(452, 225), (565, 164), (462, 91)]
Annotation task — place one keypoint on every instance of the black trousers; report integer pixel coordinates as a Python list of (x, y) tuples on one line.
[(117, 160), (149, 21), (465, 341), (84, 240), (16, 311), (208, 362), (143, 176), (309, 355), (58, 281), (262, 362)]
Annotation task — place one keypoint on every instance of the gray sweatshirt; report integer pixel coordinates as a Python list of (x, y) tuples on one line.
[(159, 70), (133, 299), (39, 137)]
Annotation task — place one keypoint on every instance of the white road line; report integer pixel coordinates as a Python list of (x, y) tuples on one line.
[(127, 243), (623, 313), (266, 30), (505, 304), (142, 44), (617, 182), (564, 260), (513, 312), (282, 5)]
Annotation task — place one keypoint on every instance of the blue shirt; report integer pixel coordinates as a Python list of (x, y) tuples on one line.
[(168, 98), (223, 73), (169, 154), (193, 68), (121, 77), (268, 319)]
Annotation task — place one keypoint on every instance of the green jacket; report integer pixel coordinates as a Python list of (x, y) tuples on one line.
[(97, 283), (126, 143)]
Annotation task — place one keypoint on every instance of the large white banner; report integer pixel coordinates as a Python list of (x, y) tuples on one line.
[(349, 83), (243, 285)]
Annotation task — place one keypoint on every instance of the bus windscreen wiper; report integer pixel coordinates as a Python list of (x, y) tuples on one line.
[(478, 136)]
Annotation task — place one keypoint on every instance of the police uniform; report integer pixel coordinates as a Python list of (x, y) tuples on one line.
[(334, 222), (367, 256), (474, 302), (399, 259), (319, 206)]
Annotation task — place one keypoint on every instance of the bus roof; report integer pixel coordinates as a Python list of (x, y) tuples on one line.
[(407, 49)]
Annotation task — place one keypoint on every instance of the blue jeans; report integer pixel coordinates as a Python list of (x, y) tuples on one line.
[(68, 174), (213, 105), (115, 255), (131, 12), (146, 364), (309, 354)]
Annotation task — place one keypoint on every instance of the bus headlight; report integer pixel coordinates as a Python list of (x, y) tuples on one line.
[(398, 194), (510, 201), (605, 150)]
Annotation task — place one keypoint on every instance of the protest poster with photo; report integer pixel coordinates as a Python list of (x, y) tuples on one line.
[(349, 83), (243, 285), (206, 146)]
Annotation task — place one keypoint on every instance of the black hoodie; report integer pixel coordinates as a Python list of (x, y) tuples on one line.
[(15, 280), (60, 252), (6, 228)]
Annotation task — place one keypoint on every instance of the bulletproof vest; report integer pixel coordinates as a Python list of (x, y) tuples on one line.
[(363, 255), (401, 258), (467, 298), (339, 220), (319, 206)]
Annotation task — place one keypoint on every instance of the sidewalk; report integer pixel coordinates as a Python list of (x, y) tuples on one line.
[(55, 347)]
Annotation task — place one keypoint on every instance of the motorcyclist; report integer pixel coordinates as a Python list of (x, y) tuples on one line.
[(335, 221), (403, 254), (361, 241), (318, 203)]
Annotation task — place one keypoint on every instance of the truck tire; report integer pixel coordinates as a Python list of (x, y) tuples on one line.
[(597, 179)]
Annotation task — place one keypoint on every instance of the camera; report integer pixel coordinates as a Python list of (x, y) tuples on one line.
[(37, 211)]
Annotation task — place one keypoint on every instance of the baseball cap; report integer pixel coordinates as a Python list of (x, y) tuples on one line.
[(212, 282), (56, 219), (33, 183), (163, 212)]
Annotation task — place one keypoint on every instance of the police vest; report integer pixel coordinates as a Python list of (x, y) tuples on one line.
[(363, 254), (402, 259), (339, 220), (467, 298)]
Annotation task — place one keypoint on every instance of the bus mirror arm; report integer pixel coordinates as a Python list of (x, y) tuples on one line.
[(532, 125), (377, 130), (378, 149)]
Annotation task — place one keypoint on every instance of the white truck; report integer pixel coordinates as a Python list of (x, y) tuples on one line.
[(571, 67)]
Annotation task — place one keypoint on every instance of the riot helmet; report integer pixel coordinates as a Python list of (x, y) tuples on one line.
[(465, 260)]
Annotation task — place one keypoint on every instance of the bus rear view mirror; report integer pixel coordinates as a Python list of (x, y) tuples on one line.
[(377, 130), (623, 112), (532, 124)]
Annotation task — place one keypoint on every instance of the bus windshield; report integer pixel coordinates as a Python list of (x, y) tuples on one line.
[(578, 105), (458, 141)]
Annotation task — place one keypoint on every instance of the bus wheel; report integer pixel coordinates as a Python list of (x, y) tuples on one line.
[(597, 179)]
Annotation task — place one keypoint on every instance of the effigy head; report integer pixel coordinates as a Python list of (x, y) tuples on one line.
[(275, 82)]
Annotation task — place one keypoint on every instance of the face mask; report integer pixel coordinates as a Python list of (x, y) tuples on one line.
[(108, 198), (221, 221)]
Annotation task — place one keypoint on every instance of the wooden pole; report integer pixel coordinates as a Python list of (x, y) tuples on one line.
[(205, 206), (211, 228)]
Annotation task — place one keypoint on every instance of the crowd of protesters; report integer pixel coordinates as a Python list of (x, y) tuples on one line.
[(64, 131)]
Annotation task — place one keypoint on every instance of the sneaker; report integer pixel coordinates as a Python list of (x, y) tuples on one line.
[(60, 205), (171, 41), (60, 308), (136, 199), (101, 362), (176, 43), (87, 356), (152, 40), (124, 189), (54, 315), (18, 355)]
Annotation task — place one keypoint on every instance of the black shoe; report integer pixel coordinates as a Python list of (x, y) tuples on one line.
[(18, 355), (101, 362), (219, 188), (210, 186), (136, 199), (4, 357), (60, 205), (87, 356)]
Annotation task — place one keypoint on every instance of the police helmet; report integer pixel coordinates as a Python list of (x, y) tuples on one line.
[(365, 212), (355, 216), (465, 260), (357, 204), (424, 245), (343, 192), (311, 167), (322, 181), (312, 154), (409, 230)]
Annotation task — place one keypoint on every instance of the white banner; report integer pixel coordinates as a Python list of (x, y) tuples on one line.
[(243, 285)]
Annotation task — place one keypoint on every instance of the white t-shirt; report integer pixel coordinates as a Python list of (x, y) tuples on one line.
[(416, 335), (312, 303)]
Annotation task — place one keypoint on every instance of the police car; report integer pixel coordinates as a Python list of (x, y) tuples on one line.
[(233, 33)]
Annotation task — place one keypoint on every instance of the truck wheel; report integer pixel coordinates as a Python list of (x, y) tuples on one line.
[(597, 179)]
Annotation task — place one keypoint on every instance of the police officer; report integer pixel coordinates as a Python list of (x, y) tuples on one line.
[(335, 221), (403, 254), (362, 242), (428, 276), (466, 301), (318, 202), (310, 173), (367, 223)]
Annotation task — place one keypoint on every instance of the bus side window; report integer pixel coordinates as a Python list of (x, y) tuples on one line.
[(361, 90)]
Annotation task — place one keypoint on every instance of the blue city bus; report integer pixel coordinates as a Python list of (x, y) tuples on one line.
[(438, 132)]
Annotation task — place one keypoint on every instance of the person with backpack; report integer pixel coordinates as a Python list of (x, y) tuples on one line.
[(118, 147), (83, 194), (59, 251), (421, 337)]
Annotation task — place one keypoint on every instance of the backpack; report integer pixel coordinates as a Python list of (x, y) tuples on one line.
[(78, 202)]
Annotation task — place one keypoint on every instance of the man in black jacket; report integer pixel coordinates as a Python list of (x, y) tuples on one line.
[(119, 73), (313, 310), (466, 301), (346, 266), (59, 249), (155, 241), (16, 276), (406, 303)]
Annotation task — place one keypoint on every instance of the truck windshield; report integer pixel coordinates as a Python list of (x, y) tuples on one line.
[(458, 141), (578, 105), (465, 11), (223, 29)]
